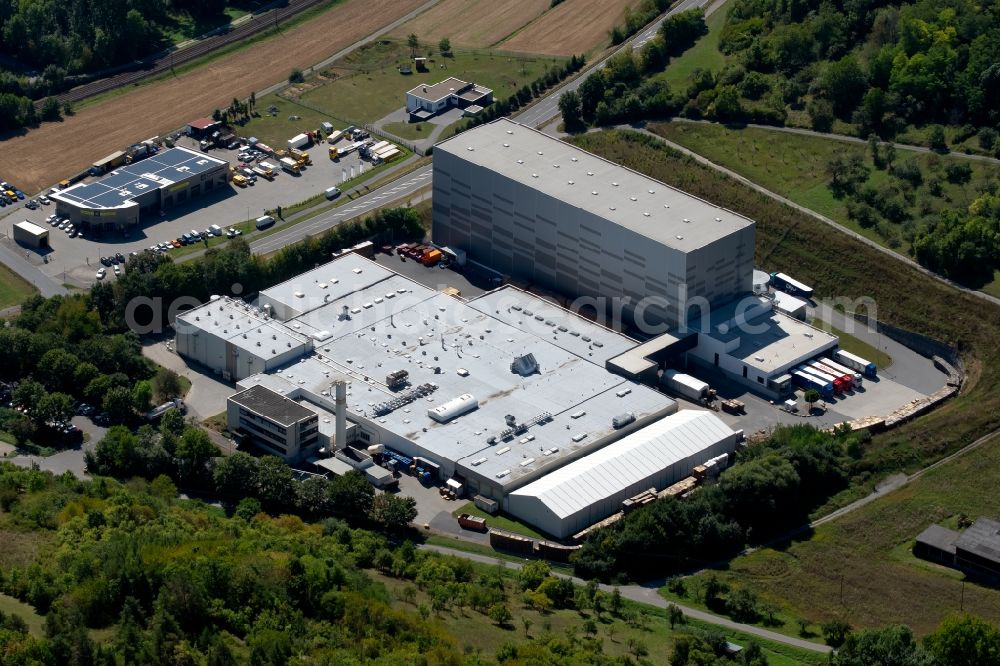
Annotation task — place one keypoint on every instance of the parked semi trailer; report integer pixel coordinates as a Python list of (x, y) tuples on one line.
[(807, 381), (790, 285), (858, 379), (855, 362), (685, 385)]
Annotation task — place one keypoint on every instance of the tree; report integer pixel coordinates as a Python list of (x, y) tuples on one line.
[(964, 639), (296, 76), (247, 508), (821, 114), (811, 397), (275, 485), (444, 46), (616, 602), (936, 138), (532, 574), (843, 83), (835, 632), (56, 369), (526, 624), (680, 31), (886, 646), (28, 394), (194, 450), (118, 404), (569, 106), (235, 474), (142, 396), (351, 495), (675, 616), (413, 43), (51, 109), (742, 605), (166, 384), (393, 512), (846, 173), (500, 614), (54, 407), (115, 454)]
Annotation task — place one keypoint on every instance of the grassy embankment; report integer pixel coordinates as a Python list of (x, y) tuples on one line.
[(865, 547), (13, 288), (795, 166), (703, 55), (648, 626)]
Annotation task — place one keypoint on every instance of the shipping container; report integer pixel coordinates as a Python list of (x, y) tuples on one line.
[(376, 147), (431, 257), (299, 140), (470, 522), (790, 285), (685, 385), (514, 543), (855, 362), (335, 137), (389, 155)]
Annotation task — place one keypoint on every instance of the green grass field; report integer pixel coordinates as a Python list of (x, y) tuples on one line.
[(13, 288), (795, 166), (411, 131), (367, 85), (499, 521), (867, 549), (185, 26), (703, 55), (11, 606), (478, 634), (869, 553)]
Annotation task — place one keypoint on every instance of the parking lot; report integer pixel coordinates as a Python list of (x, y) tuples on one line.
[(76, 260)]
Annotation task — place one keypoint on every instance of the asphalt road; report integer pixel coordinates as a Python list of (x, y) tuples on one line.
[(649, 595), (405, 187), (548, 106)]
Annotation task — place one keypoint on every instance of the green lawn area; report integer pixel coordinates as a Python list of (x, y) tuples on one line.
[(855, 346), (703, 55), (290, 118), (11, 606), (411, 131), (13, 288), (499, 521), (649, 627), (869, 553), (366, 85), (795, 166)]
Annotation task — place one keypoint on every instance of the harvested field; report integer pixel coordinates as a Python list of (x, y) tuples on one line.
[(53, 151), (472, 23), (572, 27)]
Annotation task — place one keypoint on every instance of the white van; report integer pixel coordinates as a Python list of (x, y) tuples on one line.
[(264, 221), (216, 230), (332, 193)]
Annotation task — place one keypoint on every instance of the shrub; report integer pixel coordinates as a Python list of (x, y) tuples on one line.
[(296, 76)]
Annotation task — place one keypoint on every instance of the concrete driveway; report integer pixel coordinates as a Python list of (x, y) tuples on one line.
[(208, 394)]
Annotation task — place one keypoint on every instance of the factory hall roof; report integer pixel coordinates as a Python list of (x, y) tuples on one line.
[(628, 461), (244, 326), (766, 339), (588, 182), (271, 405), (389, 323), (122, 185)]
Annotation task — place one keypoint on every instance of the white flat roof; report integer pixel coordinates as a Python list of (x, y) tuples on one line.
[(32, 228), (244, 326), (769, 341), (599, 186), (628, 461), (466, 348)]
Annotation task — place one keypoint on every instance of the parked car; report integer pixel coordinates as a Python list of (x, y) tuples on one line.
[(120, 257), (73, 233), (31, 204), (44, 200), (118, 270), (100, 274), (106, 261), (19, 193), (102, 419)]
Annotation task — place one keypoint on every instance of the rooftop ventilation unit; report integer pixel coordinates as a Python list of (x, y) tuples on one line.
[(525, 365)]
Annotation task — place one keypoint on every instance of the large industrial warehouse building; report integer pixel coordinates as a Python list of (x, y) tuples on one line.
[(541, 210), (499, 392), (584, 492), (115, 202)]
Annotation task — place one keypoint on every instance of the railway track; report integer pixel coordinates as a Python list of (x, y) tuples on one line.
[(164, 61)]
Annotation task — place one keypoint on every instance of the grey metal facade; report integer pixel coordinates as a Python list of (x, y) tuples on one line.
[(534, 234)]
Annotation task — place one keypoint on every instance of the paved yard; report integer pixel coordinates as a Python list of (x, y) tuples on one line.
[(68, 460), (208, 394), (75, 261)]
